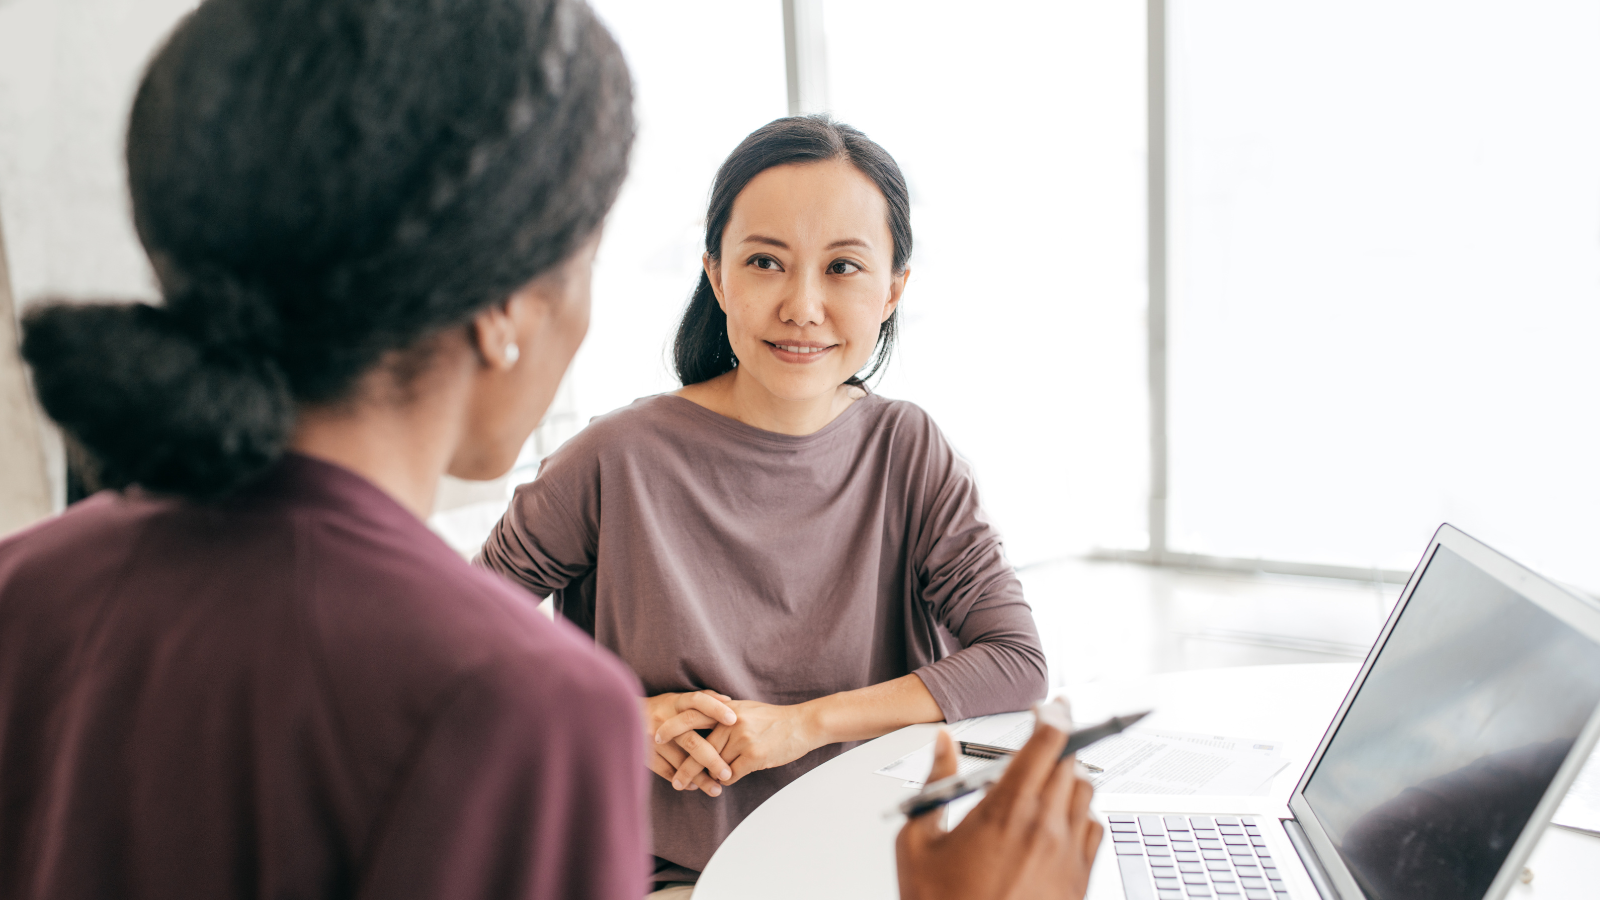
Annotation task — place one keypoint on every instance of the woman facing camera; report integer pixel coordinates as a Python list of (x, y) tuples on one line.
[(783, 557)]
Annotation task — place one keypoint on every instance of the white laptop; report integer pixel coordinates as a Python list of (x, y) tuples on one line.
[(1475, 709)]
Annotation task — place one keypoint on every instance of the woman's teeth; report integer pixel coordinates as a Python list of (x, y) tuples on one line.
[(800, 349)]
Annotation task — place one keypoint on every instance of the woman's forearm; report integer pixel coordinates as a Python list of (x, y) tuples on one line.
[(871, 711)]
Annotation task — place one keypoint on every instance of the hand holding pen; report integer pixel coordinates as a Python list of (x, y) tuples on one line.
[(939, 792), (1030, 837)]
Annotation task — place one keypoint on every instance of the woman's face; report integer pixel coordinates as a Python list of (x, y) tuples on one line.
[(546, 320), (806, 277)]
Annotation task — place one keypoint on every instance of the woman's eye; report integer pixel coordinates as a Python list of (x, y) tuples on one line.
[(765, 262), (843, 267)]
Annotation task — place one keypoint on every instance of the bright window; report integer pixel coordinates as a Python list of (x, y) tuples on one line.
[(706, 73), (1385, 283), (1021, 133)]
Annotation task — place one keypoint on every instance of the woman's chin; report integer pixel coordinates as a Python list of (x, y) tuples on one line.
[(482, 463), (800, 389)]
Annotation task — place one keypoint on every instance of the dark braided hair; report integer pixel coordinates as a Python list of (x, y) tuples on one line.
[(319, 183), (701, 350)]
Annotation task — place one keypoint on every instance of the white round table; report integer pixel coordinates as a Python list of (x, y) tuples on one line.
[(826, 835)]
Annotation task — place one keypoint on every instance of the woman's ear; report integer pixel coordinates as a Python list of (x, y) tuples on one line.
[(494, 335), (713, 269), (897, 286)]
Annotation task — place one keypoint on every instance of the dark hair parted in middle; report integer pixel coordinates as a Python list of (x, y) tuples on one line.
[(320, 184), (702, 351)]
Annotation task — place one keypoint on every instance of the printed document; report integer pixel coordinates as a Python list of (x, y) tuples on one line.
[(1138, 761)]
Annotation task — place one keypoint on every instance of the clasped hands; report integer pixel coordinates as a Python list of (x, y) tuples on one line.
[(746, 736), (1032, 836)]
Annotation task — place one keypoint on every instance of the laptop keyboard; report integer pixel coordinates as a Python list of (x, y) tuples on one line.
[(1178, 857)]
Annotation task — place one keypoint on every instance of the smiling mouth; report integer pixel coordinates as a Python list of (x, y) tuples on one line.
[(801, 353)]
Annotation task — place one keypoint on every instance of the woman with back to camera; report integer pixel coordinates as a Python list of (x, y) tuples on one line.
[(252, 671), (258, 674), (779, 554)]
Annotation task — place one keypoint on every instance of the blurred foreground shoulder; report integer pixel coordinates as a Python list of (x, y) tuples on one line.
[(529, 778)]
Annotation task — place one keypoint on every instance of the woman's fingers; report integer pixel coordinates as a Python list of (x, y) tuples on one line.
[(700, 780), (1091, 842), (1033, 765), (705, 755), (945, 763), (743, 766), (707, 702), (682, 723), (666, 761), (1056, 803), (945, 759), (1081, 824), (693, 762), (659, 765), (1082, 793), (674, 756), (688, 773)]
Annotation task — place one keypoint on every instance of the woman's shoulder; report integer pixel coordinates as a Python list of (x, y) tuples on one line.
[(642, 436), (498, 626), (909, 426), (901, 413), (72, 559), (634, 425), (89, 523), (431, 620)]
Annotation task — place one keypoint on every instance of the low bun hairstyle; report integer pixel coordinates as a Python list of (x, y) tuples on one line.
[(701, 350), (151, 406), (319, 183)]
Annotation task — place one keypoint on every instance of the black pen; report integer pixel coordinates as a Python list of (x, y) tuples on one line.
[(995, 751), (985, 751), (957, 786)]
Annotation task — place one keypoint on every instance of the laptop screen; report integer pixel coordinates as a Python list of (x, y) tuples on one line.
[(1454, 736)]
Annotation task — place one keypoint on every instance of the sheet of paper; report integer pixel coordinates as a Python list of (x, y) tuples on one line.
[(1134, 762), (1581, 808), (1141, 761)]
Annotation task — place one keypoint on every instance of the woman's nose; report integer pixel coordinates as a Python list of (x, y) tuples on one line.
[(804, 304)]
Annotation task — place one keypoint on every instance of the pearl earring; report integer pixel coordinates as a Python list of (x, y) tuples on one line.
[(512, 354)]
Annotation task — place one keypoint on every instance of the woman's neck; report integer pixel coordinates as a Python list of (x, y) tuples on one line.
[(402, 447), (743, 398)]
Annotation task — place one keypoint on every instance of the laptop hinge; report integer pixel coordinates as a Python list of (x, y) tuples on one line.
[(1308, 857)]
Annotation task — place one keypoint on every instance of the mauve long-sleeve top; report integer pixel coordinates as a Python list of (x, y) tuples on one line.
[(300, 692), (711, 554)]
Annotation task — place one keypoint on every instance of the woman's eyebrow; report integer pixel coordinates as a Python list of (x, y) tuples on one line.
[(774, 242), (763, 239)]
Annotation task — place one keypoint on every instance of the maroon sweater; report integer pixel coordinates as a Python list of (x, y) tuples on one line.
[(771, 567), (299, 693)]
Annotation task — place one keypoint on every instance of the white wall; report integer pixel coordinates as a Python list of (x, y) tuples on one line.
[(68, 70)]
